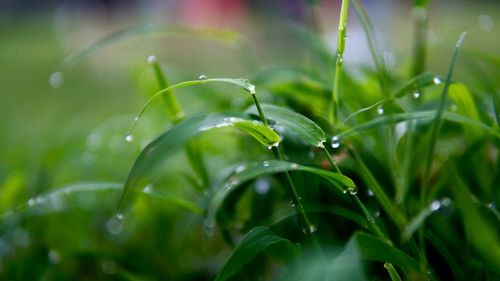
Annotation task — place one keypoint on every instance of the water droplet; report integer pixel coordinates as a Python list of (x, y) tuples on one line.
[(119, 216), (376, 214), (416, 94), (129, 138), (380, 110), (435, 205), (436, 80), (54, 257), (114, 225), (446, 202), (340, 59), (147, 189), (202, 77), (294, 166), (313, 228), (370, 193), (240, 168), (353, 190), (56, 79), (262, 186), (344, 191), (31, 202), (265, 163), (292, 204), (152, 59), (335, 142), (251, 89)]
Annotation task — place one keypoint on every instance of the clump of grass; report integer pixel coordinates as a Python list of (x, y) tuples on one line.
[(392, 191)]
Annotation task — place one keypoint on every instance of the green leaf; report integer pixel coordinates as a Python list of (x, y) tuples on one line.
[(393, 273), (479, 232), (417, 83), (375, 249), (420, 115), (174, 139), (222, 190), (391, 209), (253, 243), (296, 123)]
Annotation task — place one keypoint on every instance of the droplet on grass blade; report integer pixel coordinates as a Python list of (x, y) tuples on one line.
[(152, 59), (435, 205), (129, 138), (416, 94), (202, 77), (265, 163), (436, 80), (380, 110), (335, 142), (56, 80)]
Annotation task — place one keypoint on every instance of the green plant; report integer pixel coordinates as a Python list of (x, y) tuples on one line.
[(391, 184)]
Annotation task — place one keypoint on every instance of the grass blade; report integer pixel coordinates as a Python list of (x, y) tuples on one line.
[(223, 189), (174, 139), (375, 249), (296, 123), (253, 243), (393, 273)]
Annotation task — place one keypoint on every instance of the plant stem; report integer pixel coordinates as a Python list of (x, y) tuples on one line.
[(172, 104), (342, 32), (420, 43), (175, 113), (369, 218), (304, 221)]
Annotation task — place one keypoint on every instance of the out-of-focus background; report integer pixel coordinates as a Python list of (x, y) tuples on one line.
[(68, 127)]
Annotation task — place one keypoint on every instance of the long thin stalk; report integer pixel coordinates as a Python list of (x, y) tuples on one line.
[(176, 115), (420, 42), (304, 221), (342, 33), (371, 221)]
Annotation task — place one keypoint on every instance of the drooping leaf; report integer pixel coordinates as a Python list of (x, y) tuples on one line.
[(375, 249), (296, 123), (393, 273), (174, 139), (420, 115), (417, 83), (222, 190), (253, 243)]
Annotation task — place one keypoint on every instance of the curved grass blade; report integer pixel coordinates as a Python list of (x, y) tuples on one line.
[(414, 224), (414, 85), (254, 242), (393, 273), (391, 209), (174, 139), (55, 199), (437, 120), (342, 183), (375, 249), (217, 34), (241, 82), (300, 125), (420, 115), (482, 235), (418, 82)]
